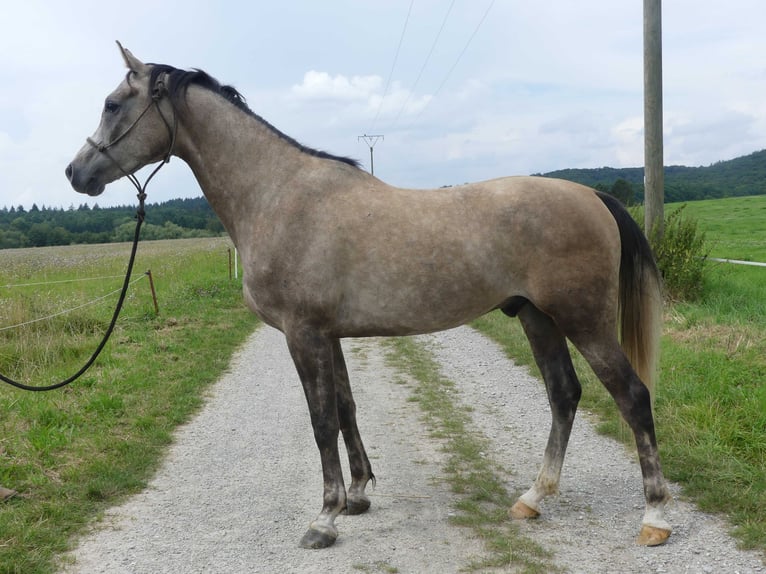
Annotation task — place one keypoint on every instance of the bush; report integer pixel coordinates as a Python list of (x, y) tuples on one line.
[(681, 254)]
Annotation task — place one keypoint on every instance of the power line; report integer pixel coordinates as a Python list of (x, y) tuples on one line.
[(371, 140), (460, 55), (425, 63), (465, 48), (396, 58)]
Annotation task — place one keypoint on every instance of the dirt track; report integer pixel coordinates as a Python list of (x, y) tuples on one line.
[(242, 481)]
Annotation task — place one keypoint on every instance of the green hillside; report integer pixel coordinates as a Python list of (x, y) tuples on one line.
[(738, 177)]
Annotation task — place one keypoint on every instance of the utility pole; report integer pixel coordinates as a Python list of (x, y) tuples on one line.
[(371, 140), (654, 175)]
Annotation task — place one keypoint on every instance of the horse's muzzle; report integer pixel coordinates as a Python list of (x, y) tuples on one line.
[(89, 185)]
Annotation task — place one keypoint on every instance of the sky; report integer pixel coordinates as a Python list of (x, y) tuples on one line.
[(460, 90)]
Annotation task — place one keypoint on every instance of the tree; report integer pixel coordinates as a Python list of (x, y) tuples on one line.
[(622, 189)]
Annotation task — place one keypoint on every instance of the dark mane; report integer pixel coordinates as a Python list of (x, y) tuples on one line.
[(179, 80)]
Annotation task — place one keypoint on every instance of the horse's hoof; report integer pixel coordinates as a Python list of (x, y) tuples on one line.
[(521, 511), (652, 536), (357, 505), (6, 494), (316, 538)]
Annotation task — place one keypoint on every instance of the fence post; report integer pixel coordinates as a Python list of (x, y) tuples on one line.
[(154, 293)]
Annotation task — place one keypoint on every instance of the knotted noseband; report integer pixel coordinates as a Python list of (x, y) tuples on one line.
[(159, 91)]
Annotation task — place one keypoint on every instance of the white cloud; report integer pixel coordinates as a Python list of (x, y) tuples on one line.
[(629, 142), (321, 85), (397, 103)]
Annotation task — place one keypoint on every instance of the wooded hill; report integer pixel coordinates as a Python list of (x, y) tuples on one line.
[(744, 175), (179, 218)]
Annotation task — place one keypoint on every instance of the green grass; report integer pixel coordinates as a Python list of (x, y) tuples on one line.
[(735, 226), (710, 405), (74, 452), (476, 479)]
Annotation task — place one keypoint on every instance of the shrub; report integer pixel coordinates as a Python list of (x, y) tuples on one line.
[(681, 254)]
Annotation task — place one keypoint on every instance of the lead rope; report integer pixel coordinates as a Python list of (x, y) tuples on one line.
[(140, 216)]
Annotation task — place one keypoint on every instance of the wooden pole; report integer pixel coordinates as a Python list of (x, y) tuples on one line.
[(654, 175), (154, 293)]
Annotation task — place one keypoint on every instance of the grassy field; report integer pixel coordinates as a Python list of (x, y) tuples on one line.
[(711, 399), (72, 453), (736, 226)]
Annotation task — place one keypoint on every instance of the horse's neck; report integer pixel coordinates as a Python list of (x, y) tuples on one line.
[(238, 161)]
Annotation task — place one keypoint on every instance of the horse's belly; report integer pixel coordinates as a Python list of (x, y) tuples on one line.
[(408, 311)]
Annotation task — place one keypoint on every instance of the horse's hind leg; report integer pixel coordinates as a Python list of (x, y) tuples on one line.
[(552, 357), (357, 501), (611, 366)]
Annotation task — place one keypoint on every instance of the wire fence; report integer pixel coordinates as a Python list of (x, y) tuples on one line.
[(70, 310), (10, 286), (737, 261)]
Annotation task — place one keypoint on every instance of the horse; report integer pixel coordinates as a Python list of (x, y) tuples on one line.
[(330, 251)]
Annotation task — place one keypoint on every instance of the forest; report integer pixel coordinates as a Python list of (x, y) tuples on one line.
[(40, 227), (180, 218)]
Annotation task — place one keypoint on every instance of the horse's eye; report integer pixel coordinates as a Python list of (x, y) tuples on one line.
[(111, 106)]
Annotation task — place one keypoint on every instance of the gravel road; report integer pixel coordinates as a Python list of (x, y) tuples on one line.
[(242, 481)]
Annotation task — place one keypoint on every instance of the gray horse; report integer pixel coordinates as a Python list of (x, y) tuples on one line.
[(330, 251)]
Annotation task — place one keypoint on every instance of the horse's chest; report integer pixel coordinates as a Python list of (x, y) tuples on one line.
[(276, 296)]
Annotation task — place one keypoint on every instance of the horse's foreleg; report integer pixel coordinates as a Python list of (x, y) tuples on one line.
[(313, 357), (552, 357), (357, 501), (633, 399)]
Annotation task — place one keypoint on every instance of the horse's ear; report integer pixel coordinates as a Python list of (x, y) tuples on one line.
[(133, 63)]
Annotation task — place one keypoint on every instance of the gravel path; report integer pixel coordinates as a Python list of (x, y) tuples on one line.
[(242, 481)]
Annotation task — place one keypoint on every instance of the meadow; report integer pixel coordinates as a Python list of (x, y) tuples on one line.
[(72, 453), (735, 227)]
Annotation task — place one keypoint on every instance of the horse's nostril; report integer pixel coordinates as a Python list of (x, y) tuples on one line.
[(68, 172)]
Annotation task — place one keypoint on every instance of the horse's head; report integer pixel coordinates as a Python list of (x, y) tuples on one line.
[(137, 128)]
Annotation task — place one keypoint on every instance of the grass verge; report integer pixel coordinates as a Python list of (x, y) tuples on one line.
[(483, 501), (73, 453)]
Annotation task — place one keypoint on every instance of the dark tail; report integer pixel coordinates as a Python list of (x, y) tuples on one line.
[(640, 295)]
